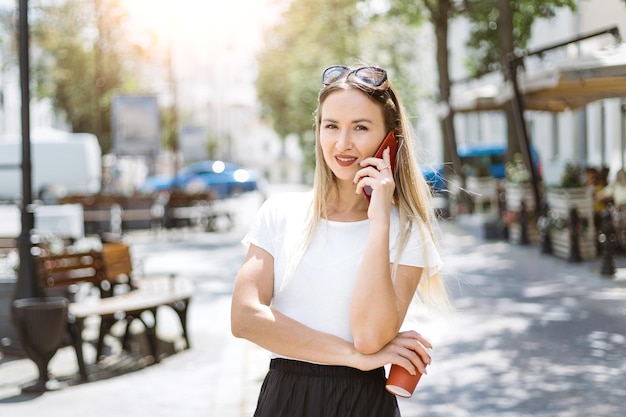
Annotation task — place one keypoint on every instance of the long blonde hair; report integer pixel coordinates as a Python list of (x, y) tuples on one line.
[(412, 194)]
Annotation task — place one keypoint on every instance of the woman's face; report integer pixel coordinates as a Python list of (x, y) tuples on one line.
[(351, 129)]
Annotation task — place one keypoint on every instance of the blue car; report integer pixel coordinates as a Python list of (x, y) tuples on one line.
[(434, 177), (489, 158), (224, 178)]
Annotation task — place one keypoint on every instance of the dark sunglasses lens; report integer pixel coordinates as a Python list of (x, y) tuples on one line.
[(371, 76), (332, 74)]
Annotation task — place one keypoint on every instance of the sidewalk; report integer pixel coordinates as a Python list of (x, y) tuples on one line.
[(218, 376), (534, 336)]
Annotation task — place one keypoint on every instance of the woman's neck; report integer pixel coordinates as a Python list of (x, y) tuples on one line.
[(346, 206)]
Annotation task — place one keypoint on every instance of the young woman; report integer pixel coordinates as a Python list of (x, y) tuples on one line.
[(330, 274)]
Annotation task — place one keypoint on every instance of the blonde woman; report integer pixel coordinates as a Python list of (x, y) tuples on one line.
[(329, 274)]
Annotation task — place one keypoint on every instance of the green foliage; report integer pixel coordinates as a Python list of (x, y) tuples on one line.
[(516, 171), (314, 35), (573, 176), (485, 37), (410, 12), (83, 60), (311, 35), (297, 51)]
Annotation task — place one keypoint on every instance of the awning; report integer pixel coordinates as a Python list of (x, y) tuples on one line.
[(480, 98), (575, 83), (570, 84)]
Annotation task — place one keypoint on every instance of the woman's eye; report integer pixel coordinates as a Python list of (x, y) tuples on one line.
[(361, 127), (330, 126)]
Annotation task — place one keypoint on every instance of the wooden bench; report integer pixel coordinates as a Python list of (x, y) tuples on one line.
[(183, 209), (141, 212), (7, 244), (120, 296), (168, 209)]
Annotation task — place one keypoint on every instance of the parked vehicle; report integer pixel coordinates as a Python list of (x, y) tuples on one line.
[(434, 177), (61, 161), (479, 162), (224, 178)]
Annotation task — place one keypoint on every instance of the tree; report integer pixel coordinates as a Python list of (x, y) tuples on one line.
[(82, 59), (439, 12), (296, 49), (502, 27)]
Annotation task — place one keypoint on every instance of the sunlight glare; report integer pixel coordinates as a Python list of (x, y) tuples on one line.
[(214, 23)]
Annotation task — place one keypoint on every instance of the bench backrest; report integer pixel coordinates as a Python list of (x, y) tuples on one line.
[(62, 270), (117, 263), (105, 269), (7, 244)]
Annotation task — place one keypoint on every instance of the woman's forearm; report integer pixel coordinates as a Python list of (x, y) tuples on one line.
[(284, 336), (374, 312)]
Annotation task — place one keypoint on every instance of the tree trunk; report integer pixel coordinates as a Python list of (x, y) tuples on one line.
[(506, 45), (440, 14)]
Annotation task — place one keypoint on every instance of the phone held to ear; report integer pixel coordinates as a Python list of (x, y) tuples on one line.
[(391, 142)]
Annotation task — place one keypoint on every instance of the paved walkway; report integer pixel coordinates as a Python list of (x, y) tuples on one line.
[(533, 336), (218, 376)]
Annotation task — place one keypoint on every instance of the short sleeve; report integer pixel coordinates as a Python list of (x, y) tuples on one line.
[(420, 251), (261, 232), (278, 215)]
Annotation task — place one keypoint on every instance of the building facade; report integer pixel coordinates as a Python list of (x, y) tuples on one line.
[(591, 136)]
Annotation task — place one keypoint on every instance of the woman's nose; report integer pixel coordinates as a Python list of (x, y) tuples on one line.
[(344, 141)]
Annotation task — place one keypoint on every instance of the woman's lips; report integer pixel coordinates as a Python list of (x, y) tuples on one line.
[(344, 160)]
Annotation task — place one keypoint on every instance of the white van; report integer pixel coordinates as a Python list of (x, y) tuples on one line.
[(69, 162)]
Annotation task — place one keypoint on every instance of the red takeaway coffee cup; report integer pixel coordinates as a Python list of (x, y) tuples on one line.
[(401, 382)]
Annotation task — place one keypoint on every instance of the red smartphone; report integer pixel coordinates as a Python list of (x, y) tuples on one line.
[(391, 142)]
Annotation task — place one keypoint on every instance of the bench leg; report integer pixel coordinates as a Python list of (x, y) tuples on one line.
[(105, 327), (181, 308), (151, 334), (149, 329), (129, 320), (76, 333)]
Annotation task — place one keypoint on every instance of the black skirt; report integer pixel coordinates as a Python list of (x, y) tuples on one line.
[(301, 389)]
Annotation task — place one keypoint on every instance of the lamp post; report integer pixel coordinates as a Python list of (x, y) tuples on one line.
[(26, 285)]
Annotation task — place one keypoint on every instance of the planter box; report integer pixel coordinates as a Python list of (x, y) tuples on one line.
[(560, 202), (515, 194), (484, 193), (532, 233)]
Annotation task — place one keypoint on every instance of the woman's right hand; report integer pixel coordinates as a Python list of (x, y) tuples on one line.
[(408, 349)]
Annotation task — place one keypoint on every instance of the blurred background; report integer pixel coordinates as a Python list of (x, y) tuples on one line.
[(152, 115), (165, 84)]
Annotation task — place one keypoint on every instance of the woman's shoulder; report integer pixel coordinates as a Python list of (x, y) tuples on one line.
[(288, 201)]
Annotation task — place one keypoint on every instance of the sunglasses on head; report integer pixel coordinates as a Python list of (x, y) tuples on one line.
[(370, 76)]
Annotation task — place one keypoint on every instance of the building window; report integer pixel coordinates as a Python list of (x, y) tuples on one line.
[(602, 134), (554, 142)]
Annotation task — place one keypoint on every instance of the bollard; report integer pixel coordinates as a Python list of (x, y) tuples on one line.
[(523, 221), (502, 212), (574, 234), (606, 238), (543, 223)]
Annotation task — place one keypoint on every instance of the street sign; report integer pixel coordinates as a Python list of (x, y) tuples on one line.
[(136, 127)]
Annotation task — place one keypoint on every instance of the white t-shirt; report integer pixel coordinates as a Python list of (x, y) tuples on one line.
[(319, 292)]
